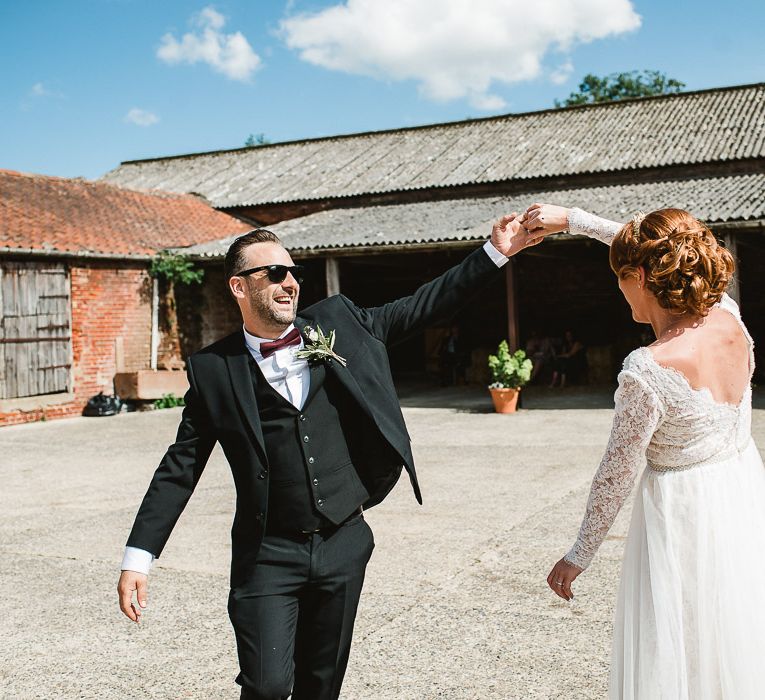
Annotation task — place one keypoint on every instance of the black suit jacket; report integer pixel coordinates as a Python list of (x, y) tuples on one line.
[(221, 407)]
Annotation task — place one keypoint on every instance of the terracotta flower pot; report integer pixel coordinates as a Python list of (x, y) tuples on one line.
[(505, 400)]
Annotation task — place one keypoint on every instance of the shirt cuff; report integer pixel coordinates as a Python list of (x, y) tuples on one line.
[(496, 257), (137, 560)]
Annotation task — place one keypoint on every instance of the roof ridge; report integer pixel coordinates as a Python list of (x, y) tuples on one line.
[(612, 104), (163, 194)]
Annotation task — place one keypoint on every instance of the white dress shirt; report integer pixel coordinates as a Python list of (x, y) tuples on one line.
[(287, 374)]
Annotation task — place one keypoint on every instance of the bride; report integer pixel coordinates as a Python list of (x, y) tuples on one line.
[(690, 615)]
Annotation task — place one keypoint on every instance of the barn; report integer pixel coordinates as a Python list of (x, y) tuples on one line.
[(373, 215)]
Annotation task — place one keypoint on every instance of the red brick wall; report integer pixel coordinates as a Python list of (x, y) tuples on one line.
[(206, 311), (108, 301)]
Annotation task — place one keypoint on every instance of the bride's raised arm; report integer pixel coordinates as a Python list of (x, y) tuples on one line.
[(554, 219)]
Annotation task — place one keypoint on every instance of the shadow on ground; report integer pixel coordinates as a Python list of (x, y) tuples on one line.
[(476, 399)]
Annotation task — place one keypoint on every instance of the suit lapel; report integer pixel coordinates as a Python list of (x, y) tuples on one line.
[(316, 373), (347, 379), (344, 376), (241, 383)]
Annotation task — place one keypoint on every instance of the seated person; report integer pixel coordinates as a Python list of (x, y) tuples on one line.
[(571, 361), (540, 351), (454, 358)]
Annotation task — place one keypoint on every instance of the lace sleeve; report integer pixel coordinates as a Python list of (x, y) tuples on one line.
[(729, 304), (637, 414), (603, 230)]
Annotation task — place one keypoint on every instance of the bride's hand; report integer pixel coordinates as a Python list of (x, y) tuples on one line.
[(545, 218), (561, 577)]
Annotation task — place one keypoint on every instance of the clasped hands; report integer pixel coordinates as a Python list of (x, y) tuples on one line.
[(514, 232)]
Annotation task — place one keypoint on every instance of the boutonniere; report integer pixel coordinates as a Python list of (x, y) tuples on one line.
[(320, 347)]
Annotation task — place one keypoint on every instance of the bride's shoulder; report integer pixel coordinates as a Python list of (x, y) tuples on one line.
[(638, 361), (640, 367)]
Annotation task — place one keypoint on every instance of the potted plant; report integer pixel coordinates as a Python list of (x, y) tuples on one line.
[(509, 372)]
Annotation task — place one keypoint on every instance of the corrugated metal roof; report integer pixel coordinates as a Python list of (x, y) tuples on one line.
[(715, 200), (690, 128)]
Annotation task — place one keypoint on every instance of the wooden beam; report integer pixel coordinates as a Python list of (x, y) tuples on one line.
[(119, 354), (511, 286), (332, 268), (378, 250), (154, 349)]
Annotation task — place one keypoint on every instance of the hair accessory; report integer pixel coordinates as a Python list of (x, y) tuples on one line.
[(636, 221)]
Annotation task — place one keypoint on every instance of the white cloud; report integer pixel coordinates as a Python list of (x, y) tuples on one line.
[(562, 73), (230, 54), (454, 49), (141, 117), (41, 90), (487, 102), (40, 94)]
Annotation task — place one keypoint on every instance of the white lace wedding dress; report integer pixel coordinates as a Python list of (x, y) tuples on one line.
[(690, 616)]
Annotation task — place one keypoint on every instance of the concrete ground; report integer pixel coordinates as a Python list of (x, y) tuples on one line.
[(455, 606)]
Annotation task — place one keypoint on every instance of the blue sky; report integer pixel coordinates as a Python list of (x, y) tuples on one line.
[(89, 83)]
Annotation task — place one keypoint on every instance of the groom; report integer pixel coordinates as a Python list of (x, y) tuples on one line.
[(312, 436)]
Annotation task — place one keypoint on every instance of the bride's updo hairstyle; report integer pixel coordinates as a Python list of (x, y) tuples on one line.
[(686, 269)]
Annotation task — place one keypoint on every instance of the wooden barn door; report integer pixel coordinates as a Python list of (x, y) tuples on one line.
[(35, 334)]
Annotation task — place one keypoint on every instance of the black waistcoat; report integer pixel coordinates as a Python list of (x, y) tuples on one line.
[(312, 479)]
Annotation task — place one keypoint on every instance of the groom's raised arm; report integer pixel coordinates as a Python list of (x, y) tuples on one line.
[(438, 300)]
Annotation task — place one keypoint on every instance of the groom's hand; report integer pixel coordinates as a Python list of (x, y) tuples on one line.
[(509, 237), (133, 581)]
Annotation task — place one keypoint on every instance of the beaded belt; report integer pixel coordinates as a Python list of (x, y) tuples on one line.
[(714, 459)]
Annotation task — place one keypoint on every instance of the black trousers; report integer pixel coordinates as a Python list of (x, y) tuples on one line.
[(294, 618)]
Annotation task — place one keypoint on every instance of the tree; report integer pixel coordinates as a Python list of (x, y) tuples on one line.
[(256, 140), (173, 269), (621, 86)]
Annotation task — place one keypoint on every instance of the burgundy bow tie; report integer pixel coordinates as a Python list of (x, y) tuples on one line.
[(269, 348)]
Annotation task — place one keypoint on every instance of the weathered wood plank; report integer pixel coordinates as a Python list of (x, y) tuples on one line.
[(34, 304)]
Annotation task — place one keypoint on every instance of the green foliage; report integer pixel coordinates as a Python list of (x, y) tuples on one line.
[(620, 86), (175, 268), (256, 140), (509, 370), (169, 401)]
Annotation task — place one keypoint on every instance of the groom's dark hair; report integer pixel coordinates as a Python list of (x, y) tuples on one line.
[(236, 260)]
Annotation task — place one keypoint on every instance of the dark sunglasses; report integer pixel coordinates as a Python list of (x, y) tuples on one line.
[(276, 273)]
